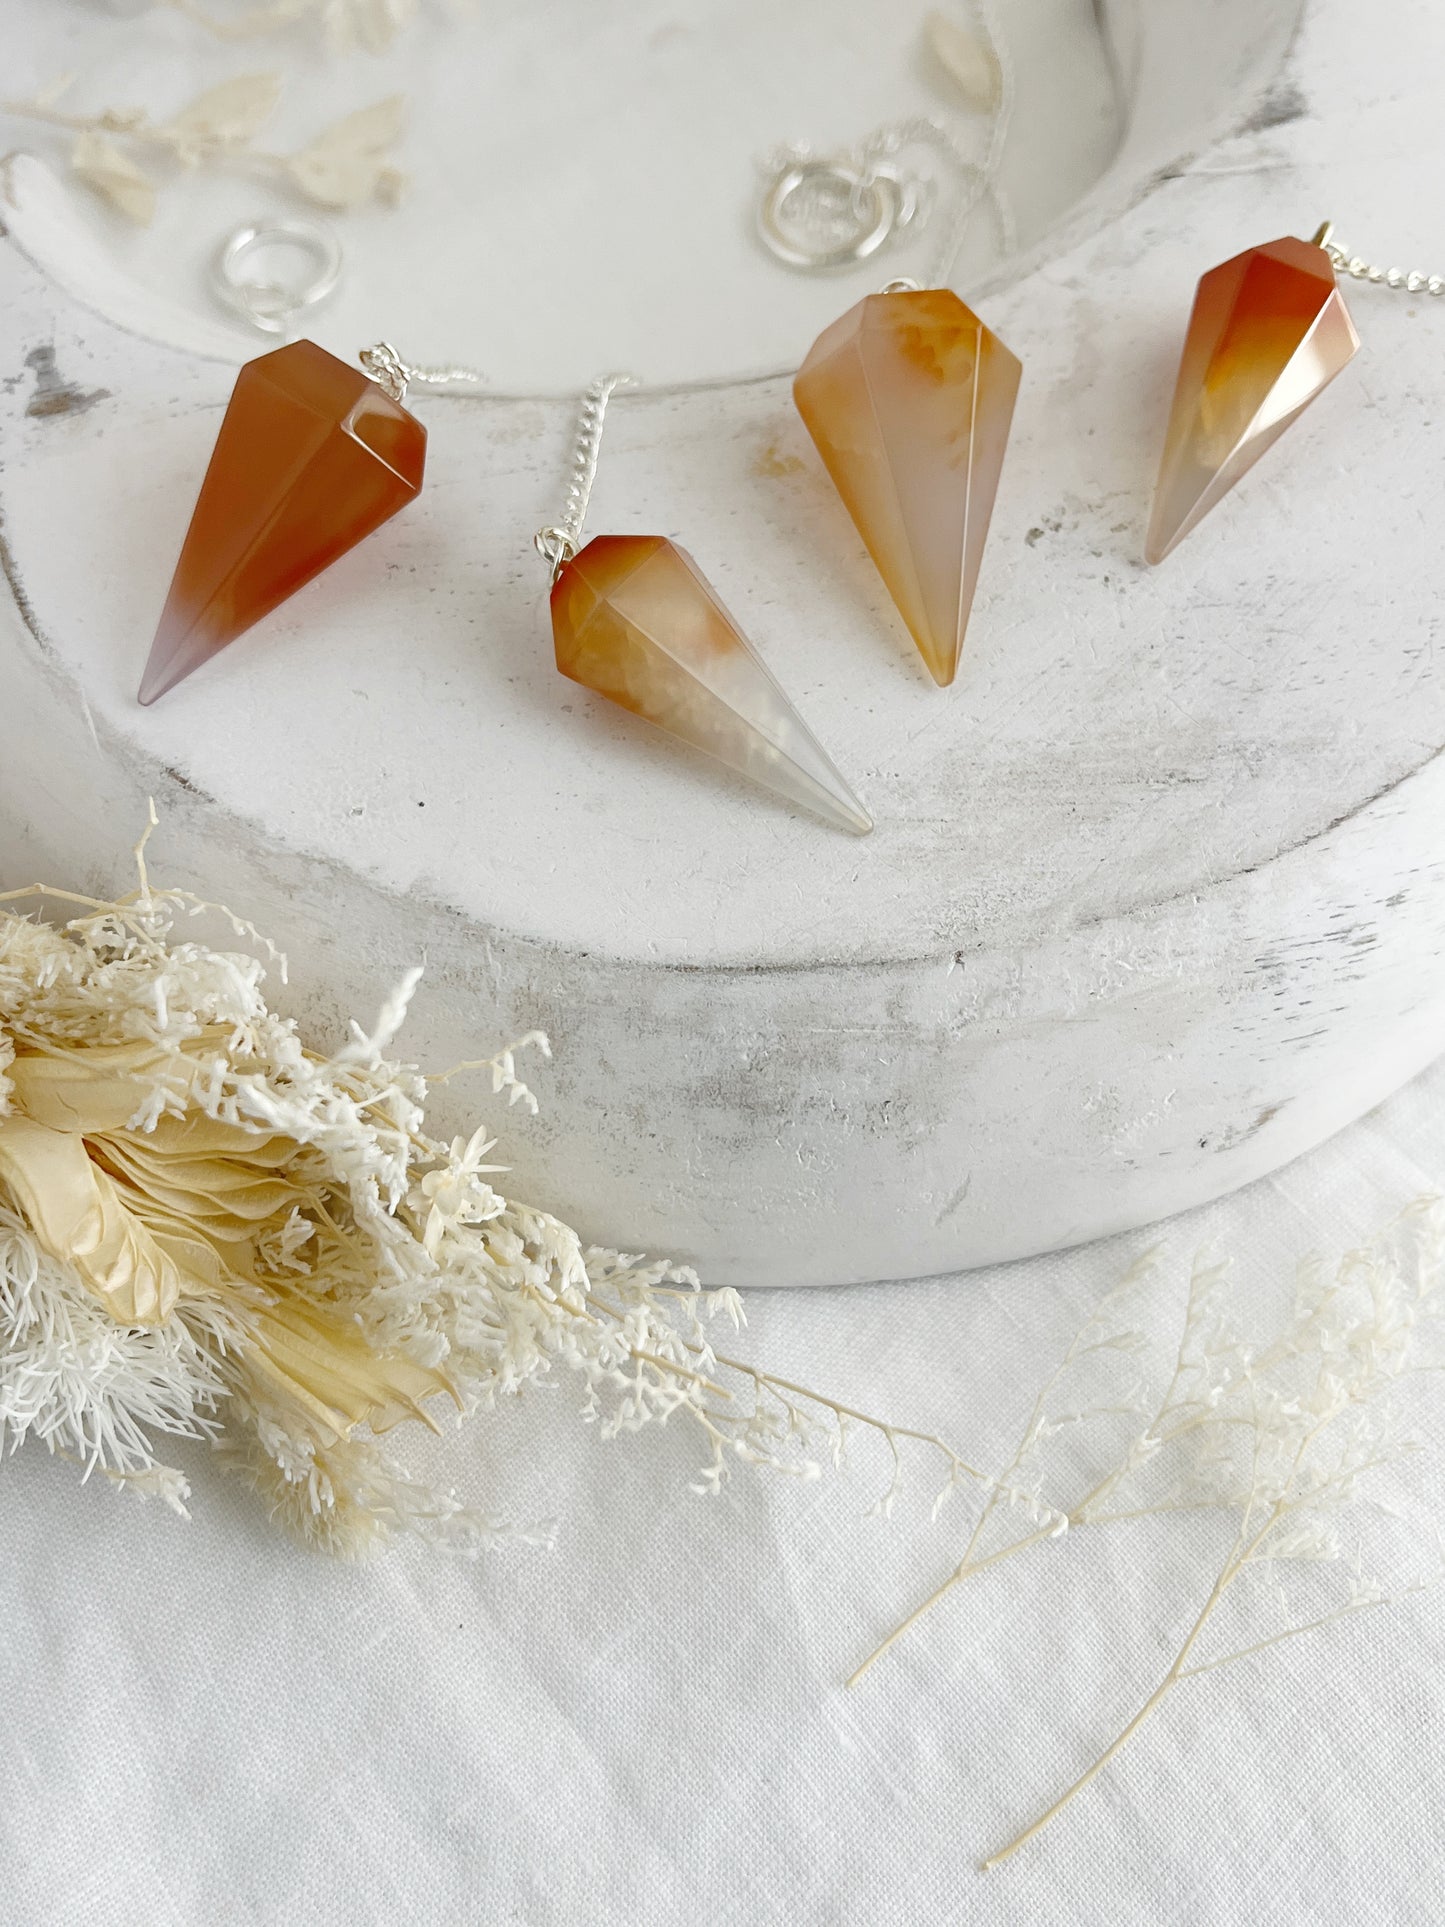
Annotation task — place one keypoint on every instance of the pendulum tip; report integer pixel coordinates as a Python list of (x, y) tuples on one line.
[(164, 669), (845, 811), (153, 683), (181, 646), (818, 785), (1161, 540)]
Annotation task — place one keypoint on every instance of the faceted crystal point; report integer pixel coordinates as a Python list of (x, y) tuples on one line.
[(634, 618), (1268, 331), (909, 399), (311, 457)]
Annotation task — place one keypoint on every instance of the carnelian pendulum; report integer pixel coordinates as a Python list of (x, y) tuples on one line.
[(312, 456), (635, 619), (1268, 331), (909, 398)]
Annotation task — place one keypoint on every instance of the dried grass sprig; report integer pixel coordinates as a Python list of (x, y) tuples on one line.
[(1291, 1436), (1020, 1482), (344, 166)]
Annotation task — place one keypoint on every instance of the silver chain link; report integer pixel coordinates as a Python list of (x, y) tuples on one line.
[(1409, 280), (390, 373), (559, 543)]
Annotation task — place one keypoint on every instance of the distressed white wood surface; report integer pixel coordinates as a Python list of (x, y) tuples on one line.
[(1155, 897)]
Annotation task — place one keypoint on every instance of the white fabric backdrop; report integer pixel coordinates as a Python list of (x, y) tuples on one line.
[(648, 1724)]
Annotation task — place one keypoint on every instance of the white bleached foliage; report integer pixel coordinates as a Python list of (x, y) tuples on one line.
[(209, 1230)]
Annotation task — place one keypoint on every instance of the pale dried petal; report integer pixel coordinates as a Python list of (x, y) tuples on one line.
[(228, 116), (967, 60), (78, 1217), (349, 162), (111, 172)]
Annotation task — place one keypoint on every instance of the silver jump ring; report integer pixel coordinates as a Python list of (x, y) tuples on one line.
[(268, 305), (876, 201)]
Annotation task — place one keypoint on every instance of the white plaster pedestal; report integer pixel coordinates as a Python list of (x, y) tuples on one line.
[(1156, 894)]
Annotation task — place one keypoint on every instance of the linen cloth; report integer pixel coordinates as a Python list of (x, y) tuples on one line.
[(649, 1723)]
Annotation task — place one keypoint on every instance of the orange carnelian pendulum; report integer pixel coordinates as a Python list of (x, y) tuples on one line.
[(909, 398), (312, 456), (635, 619), (1269, 330)]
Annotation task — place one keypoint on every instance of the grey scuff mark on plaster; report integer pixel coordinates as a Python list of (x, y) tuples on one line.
[(1281, 105), (183, 782), (1234, 1135), (54, 395), (955, 1202), (25, 608), (1275, 856)]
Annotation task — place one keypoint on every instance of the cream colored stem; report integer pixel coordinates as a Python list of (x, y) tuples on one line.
[(996, 1860), (964, 1571), (652, 1358), (56, 896), (847, 1411), (1228, 1573), (968, 1566), (1278, 1639)]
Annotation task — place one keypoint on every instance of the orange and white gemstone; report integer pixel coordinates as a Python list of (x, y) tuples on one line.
[(311, 457), (1268, 332), (909, 398), (634, 618)]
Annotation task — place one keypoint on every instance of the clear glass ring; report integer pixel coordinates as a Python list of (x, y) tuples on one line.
[(820, 214), (272, 305)]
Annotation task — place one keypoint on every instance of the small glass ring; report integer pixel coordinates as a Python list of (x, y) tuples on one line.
[(875, 200), (268, 305)]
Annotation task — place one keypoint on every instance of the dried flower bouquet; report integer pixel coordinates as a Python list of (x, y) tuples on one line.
[(209, 1230)]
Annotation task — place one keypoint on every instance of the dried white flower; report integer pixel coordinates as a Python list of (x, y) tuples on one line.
[(343, 166)]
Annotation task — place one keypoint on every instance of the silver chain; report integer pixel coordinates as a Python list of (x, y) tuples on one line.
[(862, 198), (390, 373), (558, 544), (982, 178), (1411, 280), (976, 179)]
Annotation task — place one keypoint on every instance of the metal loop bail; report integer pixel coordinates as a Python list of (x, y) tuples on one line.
[(556, 548), (820, 214), (272, 305)]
